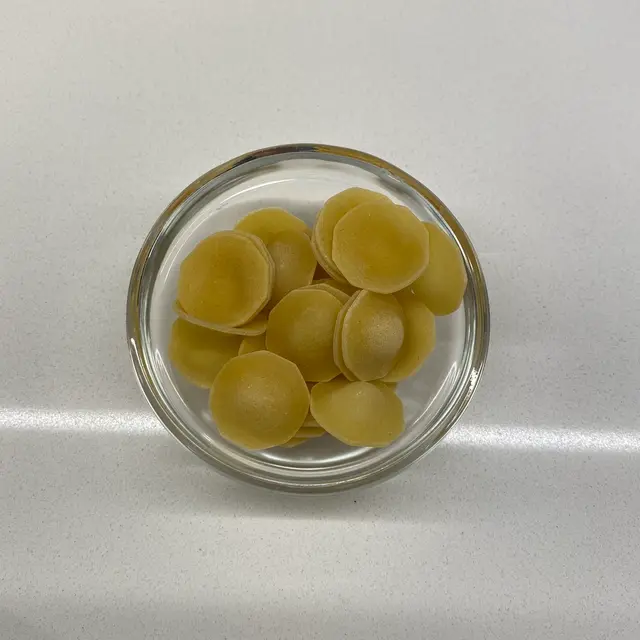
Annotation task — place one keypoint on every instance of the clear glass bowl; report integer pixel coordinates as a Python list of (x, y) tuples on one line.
[(299, 178)]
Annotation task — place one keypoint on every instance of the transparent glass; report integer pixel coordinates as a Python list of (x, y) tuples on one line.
[(299, 178)]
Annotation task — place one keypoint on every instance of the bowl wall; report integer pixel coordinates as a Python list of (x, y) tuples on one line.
[(299, 178)]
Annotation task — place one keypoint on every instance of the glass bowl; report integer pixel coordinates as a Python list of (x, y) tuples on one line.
[(300, 178)]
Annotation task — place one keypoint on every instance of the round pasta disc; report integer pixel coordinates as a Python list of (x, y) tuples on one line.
[(265, 252), (372, 335), (345, 287), (381, 247), (266, 223), (250, 344), (329, 268), (333, 211), (262, 247), (254, 327), (259, 400), (419, 338), (294, 260), (337, 341), (310, 432), (199, 354), (294, 442), (442, 284), (225, 280), (310, 421), (360, 414), (300, 328), (336, 293)]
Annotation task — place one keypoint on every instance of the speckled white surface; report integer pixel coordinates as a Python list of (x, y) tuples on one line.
[(525, 118)]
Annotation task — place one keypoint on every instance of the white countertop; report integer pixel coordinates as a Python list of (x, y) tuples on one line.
[(524, 117)]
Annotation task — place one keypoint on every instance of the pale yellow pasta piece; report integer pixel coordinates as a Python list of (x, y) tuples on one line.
[(294, 260), (381, 247), (294, 442), (345, 287), (337, 341), (360, 414), (198, 353), (263, 249), (300, 328), (225, 280), (332, 212), (372, 335), (304, 434), (254, 327), (310, 432), (329, 268), (336, 293), (266, 223), (442, 284), (310, 421), (419, 338), (259, 400), (251, 344)]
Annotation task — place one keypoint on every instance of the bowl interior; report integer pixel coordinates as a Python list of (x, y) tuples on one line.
[(300, 183)]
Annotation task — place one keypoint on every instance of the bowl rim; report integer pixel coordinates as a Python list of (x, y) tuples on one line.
[(403, 458)]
